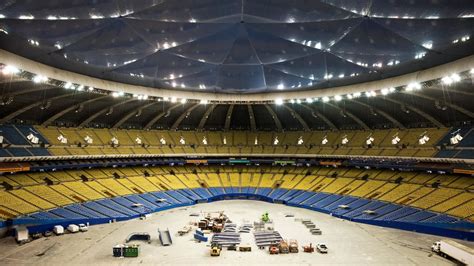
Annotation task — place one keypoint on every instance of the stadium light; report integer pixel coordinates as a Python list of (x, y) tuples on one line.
[(62, 139), (114, 141), (325, 140), (413, 86), (138, 140), (88, 139), (276, 141), (279, 101), (7, 70), (300, 140), (395, 140), (39, 79), (32, 138), (344, 140), (162, 141), (455, 139), (423, 140), (369, 141)]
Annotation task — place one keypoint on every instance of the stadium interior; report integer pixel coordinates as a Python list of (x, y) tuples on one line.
[(116, 110)]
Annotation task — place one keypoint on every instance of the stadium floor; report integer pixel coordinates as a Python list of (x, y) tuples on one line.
[(348, 242)]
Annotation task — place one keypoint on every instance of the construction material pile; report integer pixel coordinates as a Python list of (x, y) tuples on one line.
[(225, 239), (267, 238)]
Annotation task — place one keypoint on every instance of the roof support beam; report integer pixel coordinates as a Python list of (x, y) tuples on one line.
[(351, 115), (130, 114), (183, 116), (275, 117), (298, 117), (253, 124), (160, 115), (384, 114), (26, 108), (418, 111), (33, 89), (452, 106), (53, 118), (452, 91), (320, 115), (206, 116), (228, 117), (99, 113)]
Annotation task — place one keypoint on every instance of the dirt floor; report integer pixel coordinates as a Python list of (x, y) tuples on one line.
[(349, 243)]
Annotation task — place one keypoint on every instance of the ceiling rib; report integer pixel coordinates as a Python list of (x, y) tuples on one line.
[(451, 105), (160, 115), (228, 117), (53, 118), (351, 115), (298, 117), (253, 124), (28, 107), (130, 114), (97, 114), (384, 114), (206, 116), (418, 111), (275, 117), (331, 125), (183, 116)]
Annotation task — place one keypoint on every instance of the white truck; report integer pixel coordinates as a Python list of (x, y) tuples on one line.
[(452, 249), (58, 229), (72, 228)]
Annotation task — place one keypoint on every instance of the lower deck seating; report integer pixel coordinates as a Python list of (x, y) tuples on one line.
[(334, 187)]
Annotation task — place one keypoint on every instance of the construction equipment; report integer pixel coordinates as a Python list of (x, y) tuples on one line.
[(245, 248), (215, 250), (283, 246), (308, 249), (265, 217), (232, 247), (293, 246), (184, 231), (273, 249)]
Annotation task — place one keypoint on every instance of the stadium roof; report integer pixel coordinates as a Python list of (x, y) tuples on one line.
[(239, 46)]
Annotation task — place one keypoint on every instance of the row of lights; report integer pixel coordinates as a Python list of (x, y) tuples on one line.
[(414, 86), (422, 140)]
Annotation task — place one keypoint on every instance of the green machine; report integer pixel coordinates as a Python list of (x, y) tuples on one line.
[(265, 217)]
